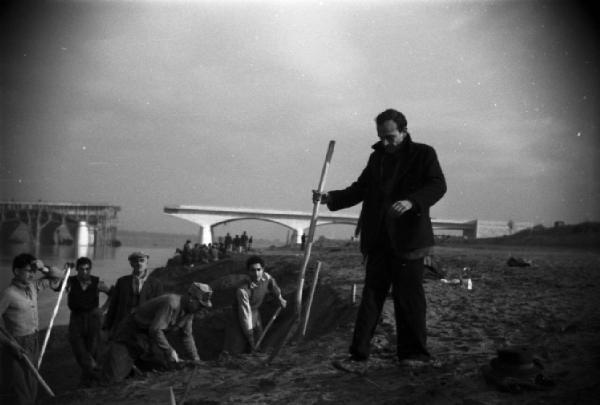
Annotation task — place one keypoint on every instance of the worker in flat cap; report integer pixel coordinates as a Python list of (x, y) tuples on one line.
[(147, 325), (131, 290)]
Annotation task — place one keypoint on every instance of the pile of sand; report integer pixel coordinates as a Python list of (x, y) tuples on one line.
[(551, 307)]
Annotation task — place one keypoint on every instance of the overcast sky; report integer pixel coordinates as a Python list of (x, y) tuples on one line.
[(144, 104)]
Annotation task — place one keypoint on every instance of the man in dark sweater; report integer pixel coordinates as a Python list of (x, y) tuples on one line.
[(401, 181), (84, 325)]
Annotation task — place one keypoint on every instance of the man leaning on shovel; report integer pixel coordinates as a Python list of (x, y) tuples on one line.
[(245, 327), (19, 334)]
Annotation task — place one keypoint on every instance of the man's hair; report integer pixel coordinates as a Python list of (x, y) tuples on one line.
[(22, 260), (83, 260), (392, 115), (253, 260)]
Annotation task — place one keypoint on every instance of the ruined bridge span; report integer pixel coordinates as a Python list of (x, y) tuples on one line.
[(208, 217), (57, 222)]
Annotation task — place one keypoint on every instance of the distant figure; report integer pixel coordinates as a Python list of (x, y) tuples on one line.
[(401, 181), (303, 241), (250, 243), (19, 333), (187, 252), (131, 290), (244, 242), (85, 321), (146, 327), (245, 326), (237, 244), (228, 242)]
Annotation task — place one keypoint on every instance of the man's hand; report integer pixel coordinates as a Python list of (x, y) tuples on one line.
[(38, 265), (174, 357), (400, 207), (282, 302), (319, 197)]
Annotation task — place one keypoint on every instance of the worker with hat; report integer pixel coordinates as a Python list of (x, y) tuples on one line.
[(131, 290), (147, 325)]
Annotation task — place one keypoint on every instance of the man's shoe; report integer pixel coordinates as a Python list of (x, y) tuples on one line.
[(351, 365), (416, 361)]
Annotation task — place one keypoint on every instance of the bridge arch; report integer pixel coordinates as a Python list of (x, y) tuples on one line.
[(273, 221), (207, 217)]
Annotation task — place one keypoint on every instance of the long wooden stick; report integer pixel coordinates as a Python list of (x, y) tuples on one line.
[(24, 356), (307, 249), (266, 329), (310, 298), (311, 231), (60, 294), (37, 375)]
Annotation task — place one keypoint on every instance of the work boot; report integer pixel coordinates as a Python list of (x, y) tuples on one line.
[(351, 364), (415, 361)]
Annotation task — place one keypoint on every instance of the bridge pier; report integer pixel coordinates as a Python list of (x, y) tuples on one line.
[(205, 234), (83, 234), (299, 232)]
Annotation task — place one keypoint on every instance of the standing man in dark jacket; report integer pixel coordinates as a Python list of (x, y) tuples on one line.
[(401, 181), (85, 321), (131, 291)]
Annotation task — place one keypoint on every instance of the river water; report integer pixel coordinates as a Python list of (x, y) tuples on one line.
[(108, 263)]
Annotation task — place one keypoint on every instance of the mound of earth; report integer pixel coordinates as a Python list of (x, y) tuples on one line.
[(551, 307)]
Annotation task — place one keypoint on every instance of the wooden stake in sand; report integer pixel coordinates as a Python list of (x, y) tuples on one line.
[(310, 298), (311, 233), (60, 294)]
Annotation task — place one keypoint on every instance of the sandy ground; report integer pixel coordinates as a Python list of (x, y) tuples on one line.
[(552, 307)]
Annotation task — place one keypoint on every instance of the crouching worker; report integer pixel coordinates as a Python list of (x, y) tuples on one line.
[(19, 334), (245, 326), (147, 325), (85, 321)]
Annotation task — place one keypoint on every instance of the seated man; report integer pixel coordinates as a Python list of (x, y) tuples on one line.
[(245, 327), (147, 325)]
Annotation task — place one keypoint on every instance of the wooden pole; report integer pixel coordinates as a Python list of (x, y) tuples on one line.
[(310, 298), (309, 239), (264, 333), (60, 294), (311, 231), (24, 356), (172, 396)]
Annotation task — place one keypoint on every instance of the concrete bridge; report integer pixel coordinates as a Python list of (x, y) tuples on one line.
[(57, 223), (299, 222)]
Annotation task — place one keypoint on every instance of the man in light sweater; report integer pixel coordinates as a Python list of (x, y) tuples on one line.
[(19, 337)]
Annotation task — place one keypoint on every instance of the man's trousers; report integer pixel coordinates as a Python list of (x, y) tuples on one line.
[(84, 336), (405, 276), (18, 381)]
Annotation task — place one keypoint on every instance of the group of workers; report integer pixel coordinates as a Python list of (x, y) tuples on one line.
[(138, 317), (400, 182)]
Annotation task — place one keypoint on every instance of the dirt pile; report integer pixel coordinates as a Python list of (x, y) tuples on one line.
[(551, 306)]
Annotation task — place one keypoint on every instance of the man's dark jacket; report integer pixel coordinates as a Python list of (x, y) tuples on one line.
[(414, 175), (123, 300)]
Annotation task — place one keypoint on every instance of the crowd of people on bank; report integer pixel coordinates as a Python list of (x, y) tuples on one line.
[(128, 333), (191, 255)]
